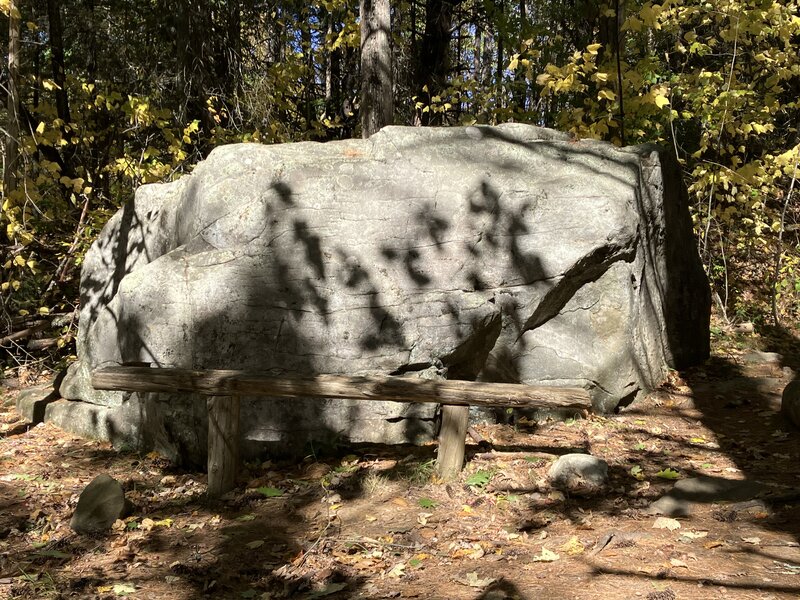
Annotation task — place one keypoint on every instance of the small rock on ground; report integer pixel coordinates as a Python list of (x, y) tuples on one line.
[(790, 402), (579, 473), (100, 504)]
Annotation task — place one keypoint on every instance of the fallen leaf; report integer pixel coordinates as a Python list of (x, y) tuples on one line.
[(546, 556), (694, 535), (666, 523), (123, 589), (399, 570), (427, 503), (713, 544), (163, 523), (573, 546), (668, 474), (399, 501), (473, 580), (422, 518), (270, 492), (678, 563), (255, 544), (147, 524)]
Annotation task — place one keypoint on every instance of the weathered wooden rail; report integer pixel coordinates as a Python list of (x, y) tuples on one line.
[(224, 387)]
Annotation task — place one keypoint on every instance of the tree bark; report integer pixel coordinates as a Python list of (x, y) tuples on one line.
[(12, 135), (433, 64), (57, 59), (377, 107)]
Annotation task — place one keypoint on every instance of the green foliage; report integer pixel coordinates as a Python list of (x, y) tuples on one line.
[(668, 474), (428, 503), (717, 82), (270, 492), (479, 479)]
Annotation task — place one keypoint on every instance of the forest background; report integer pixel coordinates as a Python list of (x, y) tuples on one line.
[(101, 96)]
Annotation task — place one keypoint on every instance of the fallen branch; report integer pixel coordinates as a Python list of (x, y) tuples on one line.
[(21, 335), (514, 455)]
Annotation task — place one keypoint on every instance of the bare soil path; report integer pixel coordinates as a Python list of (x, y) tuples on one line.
[(371, 522)]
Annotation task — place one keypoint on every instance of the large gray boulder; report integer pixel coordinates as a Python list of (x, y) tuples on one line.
[(507, 253)]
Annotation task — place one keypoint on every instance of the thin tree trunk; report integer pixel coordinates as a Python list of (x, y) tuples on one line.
[(57, 59), (12, 136), (434, 65), (376, 66)]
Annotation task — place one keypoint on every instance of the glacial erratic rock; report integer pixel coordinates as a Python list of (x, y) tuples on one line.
[(509, 254)]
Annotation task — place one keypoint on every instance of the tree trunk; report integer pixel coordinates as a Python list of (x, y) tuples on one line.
[(376, 66), (433, 64), (12, 135), (57, 59)]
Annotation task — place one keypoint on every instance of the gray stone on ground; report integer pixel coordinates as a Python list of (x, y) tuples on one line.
[(790, 402), (579, 473), (32, 401), (758, 357), (509, 254), (100, 504), (705, 489)]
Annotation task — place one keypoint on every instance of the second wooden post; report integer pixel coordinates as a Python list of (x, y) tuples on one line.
[(450, 458), (223, 444)]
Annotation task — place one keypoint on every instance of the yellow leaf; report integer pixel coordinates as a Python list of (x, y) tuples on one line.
[(573, 546), (19, 261), (44, 310), (40, 128), (607, 94), (546, 556), (661, 101), (543, 79), (50, 85), (593, 48)]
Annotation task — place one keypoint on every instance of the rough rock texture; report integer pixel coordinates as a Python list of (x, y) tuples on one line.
[(504, 253), (100, 504), (790, 402), (705, 489), (579, 473)]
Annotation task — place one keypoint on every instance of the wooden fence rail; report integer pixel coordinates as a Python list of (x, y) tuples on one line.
[(226, 386)]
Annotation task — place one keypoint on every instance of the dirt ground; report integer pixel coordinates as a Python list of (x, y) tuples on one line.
[(373, 522)]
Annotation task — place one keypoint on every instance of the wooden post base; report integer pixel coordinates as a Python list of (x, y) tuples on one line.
[(223, 444), (450, 458)]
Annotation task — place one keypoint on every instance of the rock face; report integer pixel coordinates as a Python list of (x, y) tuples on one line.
[(504, 253), (790, 402)]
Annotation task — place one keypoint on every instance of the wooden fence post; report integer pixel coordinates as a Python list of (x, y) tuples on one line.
[(450, 457), (223, 444)]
